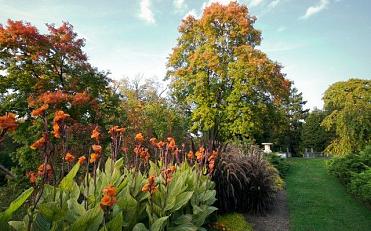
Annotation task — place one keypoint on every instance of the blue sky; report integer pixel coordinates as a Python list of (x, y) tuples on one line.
[(318, 42)]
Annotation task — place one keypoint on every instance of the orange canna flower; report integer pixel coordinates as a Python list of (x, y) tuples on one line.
[(190, 155), (199, 155), (116, 129), (69, 157), (171, 144), (93, 158), (32, 176), (139, 137), (107, 201), (110, 190), (97, 148), (160, 144), (45, 169), (95, 134), (8, 121), (60, 116), (56, 130), (39, 111), (82, 159), (38, 144), (153, 141), (150, 186)]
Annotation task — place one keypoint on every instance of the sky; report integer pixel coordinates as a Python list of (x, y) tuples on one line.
[(318, 42)]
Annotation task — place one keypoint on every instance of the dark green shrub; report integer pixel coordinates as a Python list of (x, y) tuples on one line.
[(360, 185), (245, 183), (279, 163), (345, 166)]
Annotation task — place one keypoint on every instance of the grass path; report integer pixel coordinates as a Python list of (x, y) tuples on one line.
[(318, 202)]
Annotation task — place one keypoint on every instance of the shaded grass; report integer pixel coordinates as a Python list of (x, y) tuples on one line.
[(231, 222), (318, 202)]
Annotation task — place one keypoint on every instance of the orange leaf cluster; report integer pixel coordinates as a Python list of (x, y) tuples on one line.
[(39, 111), (80, 98), (53, 97), (151, 186), (8, 122), (109, 196)]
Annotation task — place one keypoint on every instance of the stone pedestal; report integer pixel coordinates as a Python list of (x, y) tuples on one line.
[(267, 147)]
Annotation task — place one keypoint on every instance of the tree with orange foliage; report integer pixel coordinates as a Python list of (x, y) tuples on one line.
[(220, 76), (41, 73)]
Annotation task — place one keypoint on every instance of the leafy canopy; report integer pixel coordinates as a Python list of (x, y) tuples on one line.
[(349, 108), (219, 75)]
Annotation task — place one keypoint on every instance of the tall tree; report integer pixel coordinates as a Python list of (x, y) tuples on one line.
[(216, 71), (348, 104), (314, 135), (33, 64)]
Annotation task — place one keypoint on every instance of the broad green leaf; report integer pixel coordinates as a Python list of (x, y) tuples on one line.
[(140, 227), (67, 182), (90, 221), (159, 224), (182, 200), (18, 202), (115, 224)]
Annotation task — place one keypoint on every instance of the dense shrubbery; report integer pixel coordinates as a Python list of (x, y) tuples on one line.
[(119, 198), (245, 183), (279, 163), (354, 171)]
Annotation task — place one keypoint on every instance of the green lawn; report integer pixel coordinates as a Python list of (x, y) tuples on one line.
[(317, 201)]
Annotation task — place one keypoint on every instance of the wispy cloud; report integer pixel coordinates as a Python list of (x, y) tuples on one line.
[(316, 9), (281, 29), (256, 2), (273, 4), (145, 11), (179, 4)]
